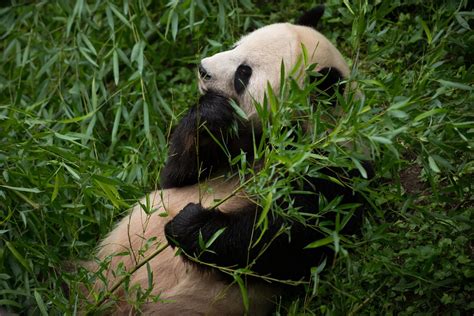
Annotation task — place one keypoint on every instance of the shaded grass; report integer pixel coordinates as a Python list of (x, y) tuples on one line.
[(88, 93)]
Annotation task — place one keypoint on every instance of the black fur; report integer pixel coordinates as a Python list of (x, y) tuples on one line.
[(193, 153), (328, 82), (311, 18), (283, 257)]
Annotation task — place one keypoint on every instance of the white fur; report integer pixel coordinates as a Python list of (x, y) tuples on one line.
[(184, 289), (264, 50)]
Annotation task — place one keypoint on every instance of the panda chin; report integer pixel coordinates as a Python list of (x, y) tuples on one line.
[(212, 98)]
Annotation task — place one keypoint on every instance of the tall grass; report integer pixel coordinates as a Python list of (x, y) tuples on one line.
[(89, 91)]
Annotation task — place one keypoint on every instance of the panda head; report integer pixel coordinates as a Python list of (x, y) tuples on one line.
[(243, 72)]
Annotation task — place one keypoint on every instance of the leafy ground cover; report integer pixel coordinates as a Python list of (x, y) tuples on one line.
[(89, 91)]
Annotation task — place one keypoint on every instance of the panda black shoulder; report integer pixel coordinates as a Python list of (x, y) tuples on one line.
[(311, 17)]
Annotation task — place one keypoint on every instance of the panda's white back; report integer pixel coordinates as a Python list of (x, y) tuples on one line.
[(183, 288)]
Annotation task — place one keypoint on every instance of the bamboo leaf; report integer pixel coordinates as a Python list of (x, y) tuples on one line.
[(238, 110), (455, 85), (56, 188), (116, 70), (79, 118), (88, 58), (427, 31), (243, 291), (146, 121), (433, 165), (380, 139), (428, 114), (347, 4), (118, 114), (120, 15), (359, 167), (174, 25), (214, 237), (320, 242), (18, 256), (88, 43), (72, 172), (266, 207), (21, 189), (41, 305)]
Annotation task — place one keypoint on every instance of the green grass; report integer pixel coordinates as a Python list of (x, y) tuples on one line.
[(89, 91)]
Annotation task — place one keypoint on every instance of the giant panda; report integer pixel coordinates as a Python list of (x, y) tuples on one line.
[(195, 176)]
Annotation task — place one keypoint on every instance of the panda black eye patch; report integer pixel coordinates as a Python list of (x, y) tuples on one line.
[(241, 78)]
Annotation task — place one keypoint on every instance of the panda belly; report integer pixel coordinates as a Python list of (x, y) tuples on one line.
[(183, 288)]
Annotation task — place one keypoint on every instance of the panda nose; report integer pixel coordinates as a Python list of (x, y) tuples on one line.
[(203, 73)]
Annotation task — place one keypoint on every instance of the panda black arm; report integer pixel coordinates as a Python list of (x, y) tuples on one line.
[(280, 252), (193, 153)]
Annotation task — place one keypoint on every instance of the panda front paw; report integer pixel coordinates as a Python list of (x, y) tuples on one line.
[(193, 228), (183, 229)]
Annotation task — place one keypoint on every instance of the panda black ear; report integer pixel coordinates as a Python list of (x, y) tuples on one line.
[(331, 77), (329, 83), (311, 18)]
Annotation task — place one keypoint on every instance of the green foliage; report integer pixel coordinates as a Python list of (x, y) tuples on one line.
[(89, 91)]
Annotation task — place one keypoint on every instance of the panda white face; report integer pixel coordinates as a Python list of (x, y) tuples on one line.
[(243, 72)]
